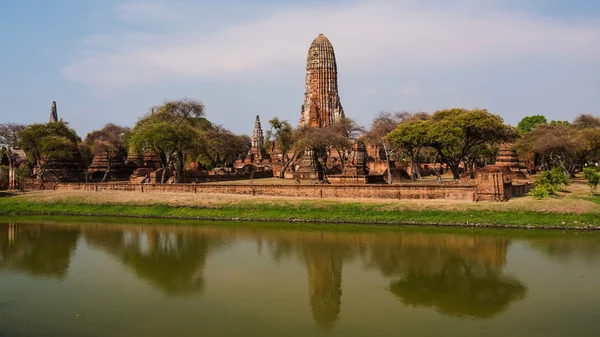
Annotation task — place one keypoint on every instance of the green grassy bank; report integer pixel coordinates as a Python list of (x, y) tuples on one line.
[(349, 213)]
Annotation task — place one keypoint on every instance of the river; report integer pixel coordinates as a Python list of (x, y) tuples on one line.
[(210, 279)]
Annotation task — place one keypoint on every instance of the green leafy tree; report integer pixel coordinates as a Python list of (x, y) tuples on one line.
[(410, 136), (592, 177), (528, 123), (458, 134), (48, 143), (166, 134)]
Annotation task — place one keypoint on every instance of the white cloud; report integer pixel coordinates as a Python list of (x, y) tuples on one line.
[(368, 36)]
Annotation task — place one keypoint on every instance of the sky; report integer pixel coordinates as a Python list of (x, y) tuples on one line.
[(111, 60)]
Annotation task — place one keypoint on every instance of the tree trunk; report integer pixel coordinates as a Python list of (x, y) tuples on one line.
[(413, 169), (108, 167), (455, 171), (164, 174), (286, 164), (389, 165), (180, 163)]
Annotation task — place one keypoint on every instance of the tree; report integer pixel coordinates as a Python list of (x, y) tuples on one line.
[(9, 134), (166, 134), (109, 141), (282, 134), (382, 125), (48, 143), (592, 177), (9, 139), (218, 146), (528, 123), (585, 121), (410, 136), (568, 146), (458, 134), (192, 110)]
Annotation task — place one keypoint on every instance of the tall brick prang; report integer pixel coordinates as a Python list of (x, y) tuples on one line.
[(53, 113), (322, 105), (257, 149)]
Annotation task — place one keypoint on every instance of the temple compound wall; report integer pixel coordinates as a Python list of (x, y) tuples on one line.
[(489, 188)]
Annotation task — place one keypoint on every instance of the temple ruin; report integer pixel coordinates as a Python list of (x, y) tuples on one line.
[(53, 113), (257, 149), (322, 105)]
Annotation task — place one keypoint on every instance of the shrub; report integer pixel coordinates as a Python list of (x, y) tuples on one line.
[(549, 182), (592, 177), (538, 192)]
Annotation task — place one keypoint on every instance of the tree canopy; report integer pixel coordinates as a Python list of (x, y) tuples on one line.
[(528, 123), (47, 143)]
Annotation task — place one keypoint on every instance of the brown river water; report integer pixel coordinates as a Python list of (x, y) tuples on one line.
[(224, 279)]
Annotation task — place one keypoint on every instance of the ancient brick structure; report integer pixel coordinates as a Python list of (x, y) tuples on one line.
[(507, 157), (119, 170), (134, 159), (322, 105), (53, 113), (257, 151)]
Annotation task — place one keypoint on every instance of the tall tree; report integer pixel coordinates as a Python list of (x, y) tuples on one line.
[(109, 141), (410, 137), (282, 134), (382, 125), (9, 139), (167, 135), (48, 143)]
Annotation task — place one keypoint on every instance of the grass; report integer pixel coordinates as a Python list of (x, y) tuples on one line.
[(572, 208), (301, 210)]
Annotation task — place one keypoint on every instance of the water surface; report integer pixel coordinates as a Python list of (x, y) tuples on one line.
[(183, 280)]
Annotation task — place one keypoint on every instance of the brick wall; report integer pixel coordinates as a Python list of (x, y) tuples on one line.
[(406, 191)]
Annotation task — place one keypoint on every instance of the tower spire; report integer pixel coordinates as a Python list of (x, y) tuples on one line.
[(322, 105), (53, 113)]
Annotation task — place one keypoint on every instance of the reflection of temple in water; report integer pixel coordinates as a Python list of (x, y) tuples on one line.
[(457, 275), (324, 282), (36, 250)]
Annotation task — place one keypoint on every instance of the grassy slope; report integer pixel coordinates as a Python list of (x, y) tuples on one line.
[(305, 210)]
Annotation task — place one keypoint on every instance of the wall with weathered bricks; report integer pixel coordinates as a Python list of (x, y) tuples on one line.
[(405, 191)]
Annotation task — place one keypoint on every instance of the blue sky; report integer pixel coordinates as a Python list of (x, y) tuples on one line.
[(110, 60)]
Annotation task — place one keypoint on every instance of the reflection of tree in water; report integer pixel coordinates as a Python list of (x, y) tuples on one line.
[(36, 250), (457, 275), (173, 262)]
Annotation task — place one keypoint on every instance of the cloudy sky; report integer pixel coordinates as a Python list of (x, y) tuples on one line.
[(109, 60)]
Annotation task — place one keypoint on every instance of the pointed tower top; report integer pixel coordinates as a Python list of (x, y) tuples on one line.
[(53, 113)]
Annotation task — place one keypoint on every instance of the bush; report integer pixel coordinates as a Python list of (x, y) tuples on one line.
[(592, 177), (549, 182), (538, 192)]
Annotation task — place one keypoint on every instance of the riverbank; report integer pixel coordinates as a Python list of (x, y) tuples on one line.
[(573, 210)]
